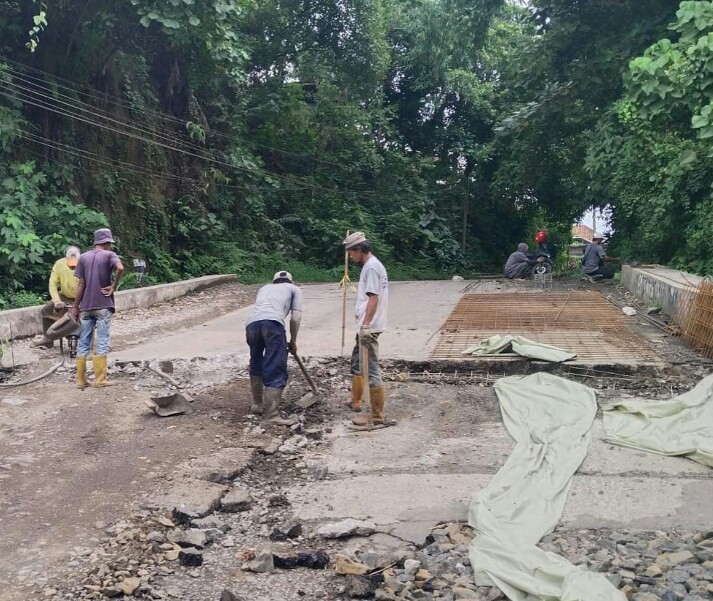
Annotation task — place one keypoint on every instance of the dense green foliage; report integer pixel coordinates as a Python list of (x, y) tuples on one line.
[(653, 152), (236, 135)]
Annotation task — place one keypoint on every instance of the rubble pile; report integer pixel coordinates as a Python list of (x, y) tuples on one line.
[(644, 565)]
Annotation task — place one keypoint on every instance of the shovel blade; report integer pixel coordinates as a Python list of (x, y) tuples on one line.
[(308, 400), (170, 404)]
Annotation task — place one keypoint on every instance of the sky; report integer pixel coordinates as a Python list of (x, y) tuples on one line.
[(603, 220)]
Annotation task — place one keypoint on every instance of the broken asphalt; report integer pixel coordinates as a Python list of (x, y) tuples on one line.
[(73, 465)]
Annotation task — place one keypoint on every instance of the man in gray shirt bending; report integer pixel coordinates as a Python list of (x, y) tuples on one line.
[(265, 334), (593, 265)]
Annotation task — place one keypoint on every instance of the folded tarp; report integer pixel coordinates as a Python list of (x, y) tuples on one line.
[(496, 345), (680, 426), (550, 420)]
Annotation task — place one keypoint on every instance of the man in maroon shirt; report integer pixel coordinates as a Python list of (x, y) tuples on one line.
[(94, 304)]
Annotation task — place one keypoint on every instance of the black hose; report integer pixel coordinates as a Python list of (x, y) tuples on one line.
[(50, 371)]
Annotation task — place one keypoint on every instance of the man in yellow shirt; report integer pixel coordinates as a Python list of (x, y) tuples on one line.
[(63, 291)]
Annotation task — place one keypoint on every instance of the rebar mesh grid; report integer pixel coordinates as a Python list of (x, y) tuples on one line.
[(581, 322), (695, 316)]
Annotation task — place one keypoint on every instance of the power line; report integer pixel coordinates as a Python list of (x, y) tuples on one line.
[(29, 96), (76, 105), (130, 167), (119, 103)]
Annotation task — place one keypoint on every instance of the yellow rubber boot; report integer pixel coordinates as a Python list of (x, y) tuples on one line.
[(100, 371), (357, 393), (81, 373)]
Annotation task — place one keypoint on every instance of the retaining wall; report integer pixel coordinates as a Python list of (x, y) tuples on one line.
[(21, 323), (657, 286)]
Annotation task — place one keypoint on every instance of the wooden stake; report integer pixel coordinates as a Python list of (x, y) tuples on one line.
[(364, 360), (345, 282)]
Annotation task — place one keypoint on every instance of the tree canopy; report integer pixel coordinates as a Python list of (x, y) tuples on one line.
[(217, 135)]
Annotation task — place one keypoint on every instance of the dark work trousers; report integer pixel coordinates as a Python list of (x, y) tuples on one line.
[(268, 352), (50, 315), (521, 271), (605, 272)]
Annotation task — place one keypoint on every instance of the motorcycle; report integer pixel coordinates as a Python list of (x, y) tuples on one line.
[(543, 258)]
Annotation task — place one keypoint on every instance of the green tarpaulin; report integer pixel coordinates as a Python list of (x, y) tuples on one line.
[(550, 419), (497, 345), (680, 426)]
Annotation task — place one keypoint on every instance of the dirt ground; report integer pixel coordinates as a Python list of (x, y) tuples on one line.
[(75, 463)]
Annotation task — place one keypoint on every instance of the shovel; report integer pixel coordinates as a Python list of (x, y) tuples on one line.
[(311, 397), (169, 404)]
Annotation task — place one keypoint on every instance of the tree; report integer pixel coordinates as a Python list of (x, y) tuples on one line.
[(652, 154)]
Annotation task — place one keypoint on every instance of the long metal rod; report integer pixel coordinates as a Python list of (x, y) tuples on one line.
[(12, 346), (564, 304)]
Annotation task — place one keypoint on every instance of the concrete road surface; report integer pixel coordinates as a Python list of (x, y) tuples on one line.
[(449, 440), (416, 312)]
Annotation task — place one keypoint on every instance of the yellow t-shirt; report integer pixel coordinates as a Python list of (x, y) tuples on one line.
[(62, 281)]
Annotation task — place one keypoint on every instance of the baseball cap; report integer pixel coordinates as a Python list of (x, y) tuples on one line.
[(72, 255), (282, 275)]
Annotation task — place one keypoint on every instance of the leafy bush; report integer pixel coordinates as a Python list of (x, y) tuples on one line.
[(20, 299), (36, 227)]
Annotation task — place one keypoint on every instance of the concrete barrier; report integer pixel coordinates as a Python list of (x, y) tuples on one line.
[(658, 286), (21, 323)]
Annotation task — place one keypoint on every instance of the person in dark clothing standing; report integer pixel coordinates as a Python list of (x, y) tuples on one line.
[(94, 305)]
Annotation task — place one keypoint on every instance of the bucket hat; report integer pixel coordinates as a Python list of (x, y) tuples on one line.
[(103, 236), (354, 239)]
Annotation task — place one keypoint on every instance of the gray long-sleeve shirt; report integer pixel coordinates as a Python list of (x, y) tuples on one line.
[(515, 262), (593, 258)]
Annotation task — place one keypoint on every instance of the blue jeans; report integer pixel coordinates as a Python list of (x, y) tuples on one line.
[(88, 320), (268, 352)]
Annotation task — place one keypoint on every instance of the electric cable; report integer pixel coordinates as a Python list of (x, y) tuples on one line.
[(23, 97), (117, 102), (92, 111), (130, 167)]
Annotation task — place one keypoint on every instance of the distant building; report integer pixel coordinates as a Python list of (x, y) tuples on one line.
[(582, 234)]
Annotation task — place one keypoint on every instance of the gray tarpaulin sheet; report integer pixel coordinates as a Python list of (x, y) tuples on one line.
[(496, 345), (680, 426), (550, 419)]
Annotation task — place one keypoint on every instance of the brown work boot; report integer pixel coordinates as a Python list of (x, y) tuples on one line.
[(100, 371), (378, 400), (81, 373), (357, 393), (271, 398), (256, 388)]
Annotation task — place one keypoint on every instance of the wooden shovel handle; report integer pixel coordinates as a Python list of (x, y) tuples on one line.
[(309, 379)]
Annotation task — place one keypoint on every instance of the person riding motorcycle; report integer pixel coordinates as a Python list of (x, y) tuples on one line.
[(544, 254)]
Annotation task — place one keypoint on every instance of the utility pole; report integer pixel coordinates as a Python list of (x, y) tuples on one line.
[(465, 213), (594, 218)]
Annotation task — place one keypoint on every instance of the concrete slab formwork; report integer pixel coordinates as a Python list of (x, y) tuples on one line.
[(582, 322)]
